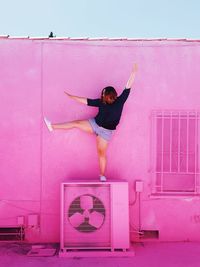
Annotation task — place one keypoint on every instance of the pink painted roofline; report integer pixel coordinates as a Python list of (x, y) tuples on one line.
[(100, 38)]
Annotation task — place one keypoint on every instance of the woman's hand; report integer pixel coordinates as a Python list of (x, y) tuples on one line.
[(132, 76), (67, 94), (135, 68)]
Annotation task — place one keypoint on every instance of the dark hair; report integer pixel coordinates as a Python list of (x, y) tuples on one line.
[(108, 95)]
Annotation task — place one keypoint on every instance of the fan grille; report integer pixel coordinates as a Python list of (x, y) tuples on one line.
[(95, 212), (81, 201)]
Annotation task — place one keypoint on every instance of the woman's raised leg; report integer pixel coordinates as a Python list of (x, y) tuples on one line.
[(80, 124)]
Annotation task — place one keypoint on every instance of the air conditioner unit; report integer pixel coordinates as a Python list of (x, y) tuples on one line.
[(94, 216)]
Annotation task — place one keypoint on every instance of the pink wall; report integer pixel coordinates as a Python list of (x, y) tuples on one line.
[(33, 76)]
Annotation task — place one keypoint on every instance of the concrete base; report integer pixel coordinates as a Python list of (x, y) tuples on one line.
[(96, 253)]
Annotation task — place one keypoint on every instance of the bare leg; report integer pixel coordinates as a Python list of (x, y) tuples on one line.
[(102, 145), (83, 125)]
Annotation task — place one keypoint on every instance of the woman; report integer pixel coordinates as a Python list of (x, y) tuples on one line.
[(110, 109)]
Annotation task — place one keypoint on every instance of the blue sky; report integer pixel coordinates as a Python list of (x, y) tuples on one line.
[(101, 18)]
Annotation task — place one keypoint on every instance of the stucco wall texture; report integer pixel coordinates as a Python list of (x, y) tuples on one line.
[(33, 162)]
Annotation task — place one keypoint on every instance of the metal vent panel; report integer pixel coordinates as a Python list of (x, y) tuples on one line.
[(87, 216)]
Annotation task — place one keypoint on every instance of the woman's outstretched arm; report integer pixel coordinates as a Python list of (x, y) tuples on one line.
[(132, 76), (82, 100)]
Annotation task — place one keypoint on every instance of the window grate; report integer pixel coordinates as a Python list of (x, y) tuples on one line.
[(175, 151), (12, 233)]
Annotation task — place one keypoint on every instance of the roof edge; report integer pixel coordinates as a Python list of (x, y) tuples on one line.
[(99, 38)]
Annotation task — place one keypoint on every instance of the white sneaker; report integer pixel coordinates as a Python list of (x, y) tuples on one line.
[(48, 124), (102, 178)]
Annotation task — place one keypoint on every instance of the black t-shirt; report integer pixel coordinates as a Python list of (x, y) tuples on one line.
[(109, 114)]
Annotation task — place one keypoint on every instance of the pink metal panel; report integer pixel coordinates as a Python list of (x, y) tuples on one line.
[(120, 215), (62, 212), (94, 215), (79, 228)]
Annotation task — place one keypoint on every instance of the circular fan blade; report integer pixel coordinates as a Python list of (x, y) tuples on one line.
[(76, 219), (86, 202), (96, 219)]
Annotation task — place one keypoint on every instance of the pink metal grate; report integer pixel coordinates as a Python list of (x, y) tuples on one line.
[(175, 151)]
